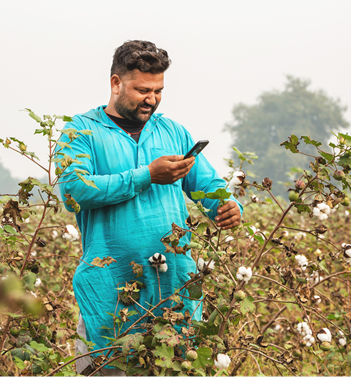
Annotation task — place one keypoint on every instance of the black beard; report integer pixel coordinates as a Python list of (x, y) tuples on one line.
[(132, 114)]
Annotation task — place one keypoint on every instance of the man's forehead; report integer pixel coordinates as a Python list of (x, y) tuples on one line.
[(144, 78)]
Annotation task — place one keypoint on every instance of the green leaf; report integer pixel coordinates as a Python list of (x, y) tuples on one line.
[(195, 290), (19, 363), (204, 358), (34, 116), (198, 195), (240, 155), (10, 229), (29, 281), (39, 346), (308, 140), (39, 131), (220, 193), (291, 144), (86, 132), (63, 145), (164, 355), (327, 156), (83, 155), (68, 131), (87, 181), (82, 171), (32, 154), (247, 305)]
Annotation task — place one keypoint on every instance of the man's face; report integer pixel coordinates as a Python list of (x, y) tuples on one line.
[(139, 94)]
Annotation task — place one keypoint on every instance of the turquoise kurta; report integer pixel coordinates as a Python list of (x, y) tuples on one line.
[(126, 218)]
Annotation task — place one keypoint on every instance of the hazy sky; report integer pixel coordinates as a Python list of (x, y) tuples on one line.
[(56, 57)]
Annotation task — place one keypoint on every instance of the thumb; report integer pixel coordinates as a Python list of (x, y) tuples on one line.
[(175, 158)]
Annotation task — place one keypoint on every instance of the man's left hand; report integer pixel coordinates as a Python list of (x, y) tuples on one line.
[(228, 215)]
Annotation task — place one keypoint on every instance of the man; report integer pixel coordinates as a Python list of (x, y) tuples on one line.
[(136, 161)]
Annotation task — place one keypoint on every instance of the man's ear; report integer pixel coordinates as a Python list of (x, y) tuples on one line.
[(116, 84)]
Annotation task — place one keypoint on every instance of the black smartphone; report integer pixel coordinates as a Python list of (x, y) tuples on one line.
[(197, 148)]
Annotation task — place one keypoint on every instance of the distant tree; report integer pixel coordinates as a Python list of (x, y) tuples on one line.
[(8, 184), (297, 110)]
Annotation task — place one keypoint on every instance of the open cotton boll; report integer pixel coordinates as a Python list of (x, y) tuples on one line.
[(37, 282), (163, 267), (157, 259), (324, 207), (324, 335), (201, 264), (71, 233), (302, 260), (223, 361), (317, 299), (237, 180), (244, 273), (54, 234)]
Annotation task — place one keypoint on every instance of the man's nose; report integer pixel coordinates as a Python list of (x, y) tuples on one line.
[(151, 99)]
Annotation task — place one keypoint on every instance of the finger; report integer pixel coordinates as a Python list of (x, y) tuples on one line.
[(184, 163), (229, 223), (182, 173), (232, 212), (183, 170), (174, 158)]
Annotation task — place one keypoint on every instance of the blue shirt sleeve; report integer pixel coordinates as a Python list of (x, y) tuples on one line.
[(204, 177)]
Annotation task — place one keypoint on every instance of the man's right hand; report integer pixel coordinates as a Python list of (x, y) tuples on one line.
[(168, 169)]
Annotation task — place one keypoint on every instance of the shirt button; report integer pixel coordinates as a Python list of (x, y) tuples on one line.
[(120, 132), (147, 130), (141, 166), (141, 190)]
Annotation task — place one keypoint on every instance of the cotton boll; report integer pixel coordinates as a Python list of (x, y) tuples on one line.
[(163, 267), (54, 234), (244, 273), (223, 361), (71, 233), (37, 282), (317, 299), (316, 211), (237, 180), (323, 216), (324, 335), (342, 342), (201, 264)]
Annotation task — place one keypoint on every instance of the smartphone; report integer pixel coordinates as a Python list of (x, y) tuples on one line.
[(197, 148)]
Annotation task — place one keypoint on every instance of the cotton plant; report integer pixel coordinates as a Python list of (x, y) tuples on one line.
[(302, 260), (324, 335), (304, 329), (342, 339), (70, 233), (202, 265), (159, 260), (223, 361), (346, 248), (244, 273), (321, 211), (237, 180)]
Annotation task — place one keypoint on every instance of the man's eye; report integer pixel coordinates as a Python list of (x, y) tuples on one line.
[(158, 91), (142, 91)]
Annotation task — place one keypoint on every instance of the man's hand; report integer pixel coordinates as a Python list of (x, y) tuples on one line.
[(228, 215), (168, 169)]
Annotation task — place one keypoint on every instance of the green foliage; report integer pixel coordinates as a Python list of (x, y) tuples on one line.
[(297, 109)]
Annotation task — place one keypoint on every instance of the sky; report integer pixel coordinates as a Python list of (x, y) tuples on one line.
[(56, 58)]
